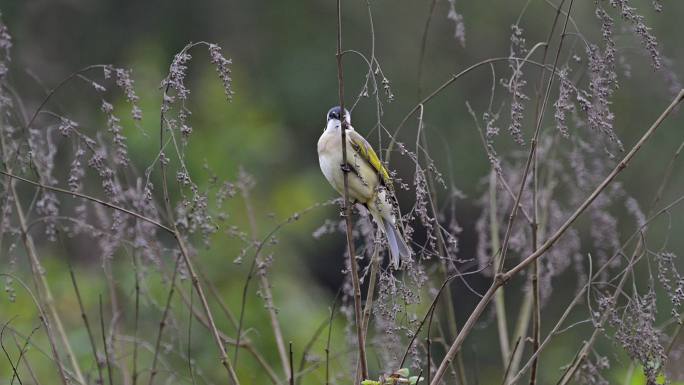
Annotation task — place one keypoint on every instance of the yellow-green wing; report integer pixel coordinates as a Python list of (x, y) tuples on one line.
[(364, 149)]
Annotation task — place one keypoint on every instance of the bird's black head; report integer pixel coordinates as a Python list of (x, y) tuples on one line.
[(336, 113)]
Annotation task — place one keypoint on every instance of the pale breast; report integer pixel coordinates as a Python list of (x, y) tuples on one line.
[(362, 188)]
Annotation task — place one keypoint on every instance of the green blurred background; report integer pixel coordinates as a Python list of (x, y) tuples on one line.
[(285, 80)]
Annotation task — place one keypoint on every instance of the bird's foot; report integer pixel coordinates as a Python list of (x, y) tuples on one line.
[(346, 167)]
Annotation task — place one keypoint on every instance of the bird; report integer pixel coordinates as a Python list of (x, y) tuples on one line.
[(369, 183)]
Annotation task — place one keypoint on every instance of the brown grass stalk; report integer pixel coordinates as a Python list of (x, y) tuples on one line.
[(265, 287), (45, 298), (223, 355), (84, 317), (502, 279), (108, 361), (347, 206)]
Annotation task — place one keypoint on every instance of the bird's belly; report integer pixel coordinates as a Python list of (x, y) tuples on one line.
[(361, 189)]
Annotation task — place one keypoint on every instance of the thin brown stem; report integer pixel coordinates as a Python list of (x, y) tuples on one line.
[(423, 45), (598, 190), (307, 349), (45, 322), (443, 250), (501, 279), (516, 346), (499, 298), (449, 82), (592, 277), (84, 317), (22, 353), (45, 298), (223, 355), (162, 322), (533, 147), (136, 321), (250, 275), (265, 287), (292, 379), (327, 344), (347, 206), (15, 372), (104, 343), (534, 227), (375, 267), (88, 197)]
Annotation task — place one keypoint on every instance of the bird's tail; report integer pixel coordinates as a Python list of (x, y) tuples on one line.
[(397, 246)]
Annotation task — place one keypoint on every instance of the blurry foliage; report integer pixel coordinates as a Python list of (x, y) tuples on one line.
[(284, 80)]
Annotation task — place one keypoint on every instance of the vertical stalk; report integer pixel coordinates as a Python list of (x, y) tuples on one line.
[(499, 298), (347, 207), (41, 282), (265, 287), (442, 249), (536, 311), (185, 253)]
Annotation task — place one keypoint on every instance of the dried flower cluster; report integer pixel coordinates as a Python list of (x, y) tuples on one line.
[(159, 222)]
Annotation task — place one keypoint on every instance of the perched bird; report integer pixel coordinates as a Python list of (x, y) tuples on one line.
[(369, 183)]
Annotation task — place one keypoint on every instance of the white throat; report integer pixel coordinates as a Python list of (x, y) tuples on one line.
[(334, 125)]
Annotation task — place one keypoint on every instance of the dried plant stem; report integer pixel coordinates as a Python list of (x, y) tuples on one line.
[(84, 317), (451, 81), (48, 330), (183, 249), (108, 361), (162, 322), (375, 267), (225, 362), (90, 198), (217, 296), (46, 299), (207, 311), (307, 348), (516, 346), (292, 380), (327, 343), (250, 275), (666, 176), (502, 279), (536, 310), (499, 304), (638, 250), (265, 287), (584, 351), (15, 372), (116, 349), (442, 250), (521, 327), (136, 321), (243, 343), (39, 279), (618, 169), (580, 293), (22, 352), (368, 306), (347, 206), (423, 45), (533, 147), (267, 295), (534, 227)]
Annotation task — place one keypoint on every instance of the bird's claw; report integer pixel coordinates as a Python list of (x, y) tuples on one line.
[(345, 167)]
